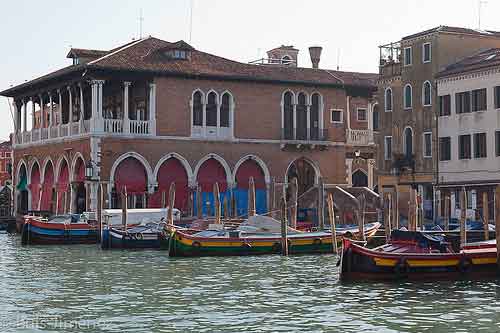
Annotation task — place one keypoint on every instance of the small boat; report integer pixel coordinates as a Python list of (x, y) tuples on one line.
[(59, 229), (149, 236), (417, 255), (258, 235)]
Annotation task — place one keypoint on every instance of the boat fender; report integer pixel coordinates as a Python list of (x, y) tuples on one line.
[(276, 248), (196, 244), (140, 236), (401, 267), (317, 241), (246, 246), (464, 265), (348, 234)]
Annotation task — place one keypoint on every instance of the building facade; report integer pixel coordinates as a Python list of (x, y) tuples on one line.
[(5, 163), (469, 133), (407, 139), (152, 112)]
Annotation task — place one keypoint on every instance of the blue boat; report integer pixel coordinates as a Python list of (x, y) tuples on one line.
[(148, 236)]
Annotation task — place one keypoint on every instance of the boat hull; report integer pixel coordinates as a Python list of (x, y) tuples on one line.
[(117, 239), (360, 264), (35, 232)]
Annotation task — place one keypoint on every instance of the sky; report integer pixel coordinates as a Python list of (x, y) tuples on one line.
[(37, 35)]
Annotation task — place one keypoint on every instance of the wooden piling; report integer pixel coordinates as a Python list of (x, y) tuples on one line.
[(124, 207), (486, 216), (446, 213), (199, 202), (251, 197), (387, 216), (497, 224), (361, 216), (463, 215), (272, 198), (217, 204), (294, 187), (99, 209), (331, 215), (226, 214), (411, 212), (321, 204), (234, 208), (163, 199), (396, 208), (190, 203), (284, 226), (171, 204)]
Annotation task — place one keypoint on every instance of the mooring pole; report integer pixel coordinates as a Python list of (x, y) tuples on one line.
[(293, 208), (321, 199), (251, 197), (199, 202), (124, 208), (387, 216), (99, 210), (284, 226), (497, 224), (226, 208), (446, 213), (171, 204), (463, 215), (272, 198), (486, 216), (396, 208), (216, 203), (331, 215)]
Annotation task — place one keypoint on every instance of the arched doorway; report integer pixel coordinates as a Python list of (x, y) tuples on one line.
[(170, 171), (48, 193), (306, 176), (250, 168), (210, 172), (132, 176), (79, 190), (22, 188), (62, 188), (359, 179), (35, 186)]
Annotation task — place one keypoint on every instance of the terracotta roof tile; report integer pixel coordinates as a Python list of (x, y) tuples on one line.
[(481, 60)]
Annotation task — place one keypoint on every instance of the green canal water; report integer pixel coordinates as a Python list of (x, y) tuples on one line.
[(85, 289)]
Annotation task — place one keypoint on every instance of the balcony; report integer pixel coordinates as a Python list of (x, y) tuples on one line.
[(402, 163), (359, 137), (304, 138), (390, 60)]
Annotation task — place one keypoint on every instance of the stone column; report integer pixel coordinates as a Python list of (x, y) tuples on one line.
[(42, 116), (59, 113), (371, 164), (348, 161), (32, 117), (96, 119), (370, 122), (308, 110), (25, 117), (152, 108), (82, 111), (126, 117), (51, 115), (70, 117), (218, 116), (294, 120)]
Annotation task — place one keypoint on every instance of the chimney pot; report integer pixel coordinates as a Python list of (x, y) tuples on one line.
[(315, 53)]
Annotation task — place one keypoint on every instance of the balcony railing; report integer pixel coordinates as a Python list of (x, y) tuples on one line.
[(139, 127), (311, 135), (359, 137), (113, 125)]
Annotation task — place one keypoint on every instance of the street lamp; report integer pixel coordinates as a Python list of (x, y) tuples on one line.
[(89, 170)]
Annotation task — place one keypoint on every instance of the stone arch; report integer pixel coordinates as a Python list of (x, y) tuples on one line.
[(22, 191), (78, 156), (310, 162), (62, 159), (44, 167), (359, 178), (139, 157), (181, 159), (259, 161), (222, 161), (48, 180), (247, 167), (30, 168)]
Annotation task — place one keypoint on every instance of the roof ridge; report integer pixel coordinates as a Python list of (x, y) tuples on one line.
[(119, 50)]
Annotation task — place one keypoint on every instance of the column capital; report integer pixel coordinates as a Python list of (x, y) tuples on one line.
[(152, 85), (127, 83), (98, 82), (68, 88)]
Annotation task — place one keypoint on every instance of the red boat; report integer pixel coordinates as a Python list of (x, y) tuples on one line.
[(416, 255)]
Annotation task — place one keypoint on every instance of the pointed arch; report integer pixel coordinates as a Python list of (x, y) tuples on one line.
[(139, 157), (226, 103), (62, 159), (222, 161), (408, 142), (388, 99), (20, 164), (287, 121), (259, 161), (408, 96), (427, 93), (30, 168), (180, 158), (197, 102), (44, 167), (309, 161)]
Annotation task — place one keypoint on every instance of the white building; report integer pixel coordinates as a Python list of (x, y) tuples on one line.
[(469, 131)]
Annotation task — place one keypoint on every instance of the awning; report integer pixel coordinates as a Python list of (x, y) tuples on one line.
[(21, 186)]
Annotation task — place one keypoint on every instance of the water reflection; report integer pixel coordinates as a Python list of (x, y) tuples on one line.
[(82, 288)]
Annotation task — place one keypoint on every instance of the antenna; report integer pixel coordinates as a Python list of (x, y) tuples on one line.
[(191, 20), (480, 4), (338, 59), (141, 20)]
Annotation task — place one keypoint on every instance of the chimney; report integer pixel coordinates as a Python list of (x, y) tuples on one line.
[(315, 53)]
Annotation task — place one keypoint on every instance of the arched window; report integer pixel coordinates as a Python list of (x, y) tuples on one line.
[(388, 100), (286, 60), (314, 115), (375, 118), (197, 109), (212, 109), (288, 115), (426, 94), (408, 96), (224, 110), (301, 117), (408, 142)]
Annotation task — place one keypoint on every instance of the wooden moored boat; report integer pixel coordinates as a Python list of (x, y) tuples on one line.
[(149, 236), (416, 255), (60, 229), (239, 242)]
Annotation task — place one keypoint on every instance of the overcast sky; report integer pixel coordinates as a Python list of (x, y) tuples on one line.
[(36, 35)]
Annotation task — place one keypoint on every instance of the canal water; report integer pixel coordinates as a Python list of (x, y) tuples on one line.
[(85, 289)]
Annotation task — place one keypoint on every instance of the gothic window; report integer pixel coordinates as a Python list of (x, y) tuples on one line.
[(211, 109), (224, 110), (197, 109)]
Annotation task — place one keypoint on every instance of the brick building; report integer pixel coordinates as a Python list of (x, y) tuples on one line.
[(5, 163), (151, 112)]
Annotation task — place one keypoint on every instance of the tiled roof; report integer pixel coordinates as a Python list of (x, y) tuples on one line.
[(146, 55), (459, 30), (483, 59), (84, 53)]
